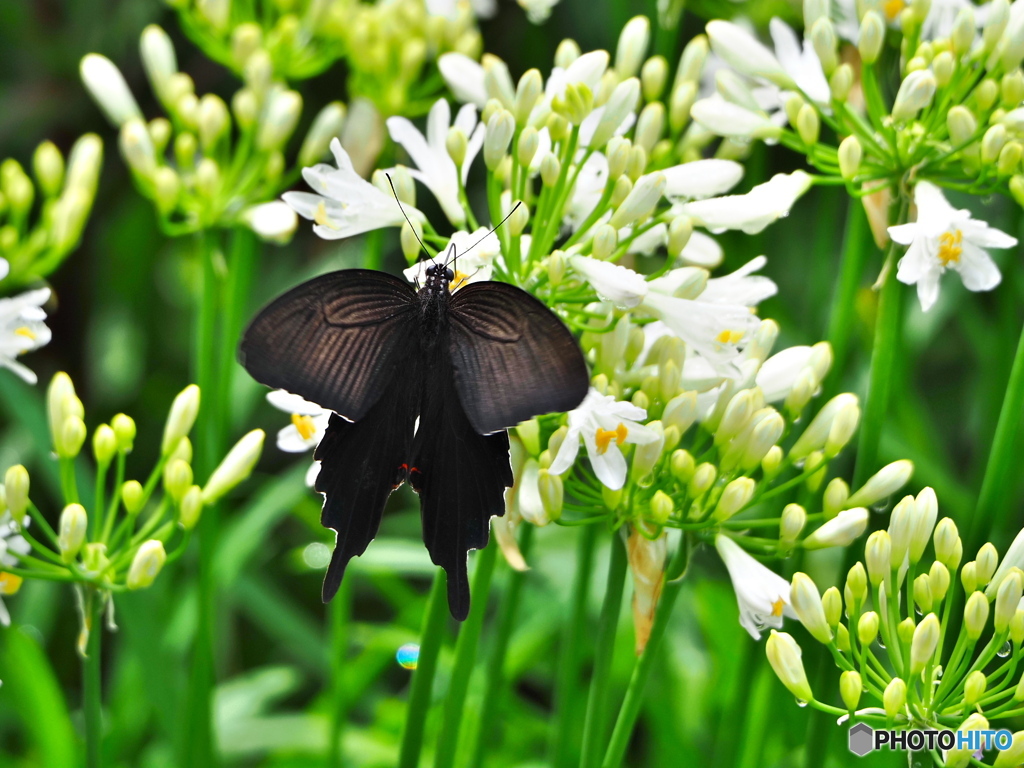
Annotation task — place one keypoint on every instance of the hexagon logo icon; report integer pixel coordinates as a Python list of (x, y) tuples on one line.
[(862, 739)]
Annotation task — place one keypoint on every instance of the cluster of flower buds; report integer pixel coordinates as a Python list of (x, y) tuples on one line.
[(35, 239), (207, 165), (914, 652), (118, 536)]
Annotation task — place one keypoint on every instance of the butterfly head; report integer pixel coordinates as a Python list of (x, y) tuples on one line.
[(439, 275)]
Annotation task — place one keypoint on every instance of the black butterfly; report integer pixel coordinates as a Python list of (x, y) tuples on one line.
[(381, 355)]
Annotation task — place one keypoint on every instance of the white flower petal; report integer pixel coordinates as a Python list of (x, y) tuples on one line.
[(702, 178), (615, 283), (464, 77)]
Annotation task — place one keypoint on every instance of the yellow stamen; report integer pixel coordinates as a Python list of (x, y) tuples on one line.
[(893, 8), (950, 247), (26, 332), (729, 337), (459, 279), (305, 425), (777, 607), (604, 437), (9, 583), (320, 217)]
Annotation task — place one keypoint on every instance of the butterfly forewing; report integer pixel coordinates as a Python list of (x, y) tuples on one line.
[(514, 359), (335, 340)]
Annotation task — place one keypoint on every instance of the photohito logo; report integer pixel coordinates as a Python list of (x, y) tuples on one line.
[(865, 739)]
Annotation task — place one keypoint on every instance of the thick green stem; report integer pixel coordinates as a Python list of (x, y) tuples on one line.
[(567, 679), (883, 358), (630, 709), (339, 611), (434, 621), (856, 246), (993, 507), (494, 686), (595, 725), (92, 690), (465, 658)]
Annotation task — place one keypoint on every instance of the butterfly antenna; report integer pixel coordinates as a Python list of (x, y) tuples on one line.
[(402, 209), (474, 245)]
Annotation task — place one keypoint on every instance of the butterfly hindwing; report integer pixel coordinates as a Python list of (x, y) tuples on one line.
[(460, 476), (514, 359), (335, 340)]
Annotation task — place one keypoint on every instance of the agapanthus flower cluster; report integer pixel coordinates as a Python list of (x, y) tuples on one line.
[(953, 123), (691, 422), (923, 640), (205, 165), (117, 534), (389, 47)]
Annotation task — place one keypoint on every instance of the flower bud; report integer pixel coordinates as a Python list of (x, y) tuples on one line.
[(883, 483), (682, 465), (177, 478), (108, 89), (969, 577), (850, 155), (784, 655), (280, 117), (649, 126), (646, 455), (915, 93), (48, 165), (872, 36), (499, 132), (974, 687), (662, 507), (653, 76), (104, 444), (529, 141), (550, 169), (923, 593), (975, 615), (137, 148), (792, 522), (832, 604), (922, 647), (734, 497), (834, 500), (146, 565), (960, 757), (816, 434), (840, 82), (944, 66), (771, 464), (326, 126), (986, 563), (641, 200), (938, 581), (808, 125), (807, 603), (894, 698), (1007, 599), (867, 628), (181, 417), (191, 507), (850, 688), (1009, 158), (877, 554), (992, 143), (632, 47), (1013, 755), (703, 478), (208, 178), (214, 121), (498, 81), (763, 437), (235, 467), (133, 496), (528, 92), (73, 526), (841, 531), (72, 438), (905, 630)]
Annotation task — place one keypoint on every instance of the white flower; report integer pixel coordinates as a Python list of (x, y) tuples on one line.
[(702, 251), (944, 238), (586, 193), (449, 9), (537, 11), (800, 63), (604, 423), (107, 86), (274, 221), (762, 594), (309, 422), (701, 179), (741, 286), (465, 78), (347, 204), (723, 118), (745, 53), (434, 166), (753, 211), (12, 545), (780, 372), (23, 329), (474, 255), (617, 284)]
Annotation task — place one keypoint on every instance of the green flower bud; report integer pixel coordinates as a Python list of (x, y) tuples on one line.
[(246, 39), (632, 47), (409, 237), (938, 581), (73, 526), (1007, 598), (850, 688), (606, 238), (1012, 756), (551, 493), (682, 465), (915, 93), (924, 643), (650, 125), (834, 500), (679, 232), (986, 93), (945, 539), (48, 164), (214, 121), (528, 92), (857, 585), (133, 496), (662, 507), (166, 189), (177, 479), (556, 439), (944, 66), (877, 555), (850, 154), (772, 462), (975, 615), (518, 219), (550, 169), (734, 497), (974, 687), (923, 593), (807, 603), (575, 105), (146, 565), (987, 561), (867, 628), (137, 148), (181, 417), (680, 102), (784, 655), (208, 178), (1009, 158), (703, 478), (969, 577), (72, 438), (653, 76), (992, 143), (1017, 627), (883, 483), (894, 698), (104, 444), (808, 125), (832, 604), (637, 163), (529, 141), (235, 467), (326, 126), (872, 36), (498, 81), (499, 132), (841, 82)]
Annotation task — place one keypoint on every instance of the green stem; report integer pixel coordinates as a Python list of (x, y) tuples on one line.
[(630, 709), (567, 680), (883, 358), (423, 678), (339, 611), (465, 658), (92, 690), (994, 499), (494, 686), (594, 725), (855, 251)]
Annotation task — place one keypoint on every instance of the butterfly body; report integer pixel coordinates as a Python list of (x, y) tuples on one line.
[(467, 365)]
